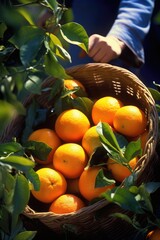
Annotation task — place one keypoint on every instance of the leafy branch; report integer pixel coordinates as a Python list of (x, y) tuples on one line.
[(116, 146), (17, 174), (30, 51), (136, 200)]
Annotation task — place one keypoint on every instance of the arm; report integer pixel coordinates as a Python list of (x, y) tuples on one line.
[(126, 35)]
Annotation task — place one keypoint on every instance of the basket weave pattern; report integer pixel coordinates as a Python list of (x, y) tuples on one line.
[(99, 80)]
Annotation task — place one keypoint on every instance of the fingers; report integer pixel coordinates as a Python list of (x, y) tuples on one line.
[(104, 49)]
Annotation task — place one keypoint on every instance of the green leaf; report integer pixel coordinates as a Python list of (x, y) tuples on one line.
[(17, 226), (145, 198), (125, 199), (74, 33), (33, 177), (56, 89), (26, 14), (27, 34), (29, 40), (55, 40), (3, 69), (3, 28), (9, 186), (39, 150), (12, 99), (53, 67), (20, 163), (108, 139), (29, 121), (155, 93), (151, 187), (19, 77), (27, 1), (62, 104), (122, 141), (5, 219), (5, 52), (61, 52), (122, 217), (7, 112), (134, 190), (133, 149), (26, 235), (102, 180), (98, 157), (21, 194), (84, 104), (55, 45), (1, 188), (105, 130), (52, 4), (12, 18), (131, 180), (80, 93), (11, 147)]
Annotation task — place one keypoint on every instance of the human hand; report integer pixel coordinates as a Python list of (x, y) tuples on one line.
[(104, 49)]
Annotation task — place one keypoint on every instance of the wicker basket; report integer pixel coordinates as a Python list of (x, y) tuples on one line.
[(100, 80)]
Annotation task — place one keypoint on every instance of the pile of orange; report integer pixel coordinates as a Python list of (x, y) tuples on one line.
[(67, 182)]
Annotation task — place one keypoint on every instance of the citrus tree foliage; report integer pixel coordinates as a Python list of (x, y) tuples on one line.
[(34, 40), (16, 175)]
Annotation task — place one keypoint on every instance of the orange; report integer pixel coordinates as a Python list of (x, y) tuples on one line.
[(154, 234), (70, 159), (87, 184), (66, 203), (49, 137), (73, 186), (119, 171), (130, 121), (52, 185), (90, 140), (104, 109), (70, 84), (71, 125)]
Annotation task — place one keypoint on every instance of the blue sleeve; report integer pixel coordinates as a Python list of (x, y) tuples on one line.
[(132, 24)]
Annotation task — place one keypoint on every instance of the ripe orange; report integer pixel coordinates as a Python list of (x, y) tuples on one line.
[(130, 121), (71, 125), (71, 84), (87, 184), (70, 159), (104, 109), (49, 137), (66, 203), (154, 234), (90, 140), (119, 171), (52, 185)]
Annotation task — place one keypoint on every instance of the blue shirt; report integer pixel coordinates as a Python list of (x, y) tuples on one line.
[(128, 20)]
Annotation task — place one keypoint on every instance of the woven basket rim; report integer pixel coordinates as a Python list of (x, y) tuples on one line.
[(91, 208)]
